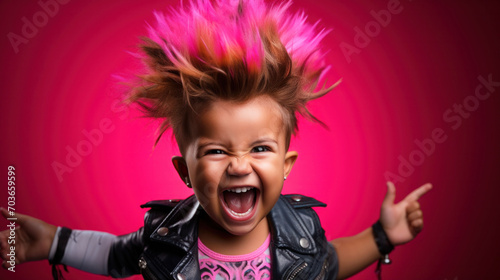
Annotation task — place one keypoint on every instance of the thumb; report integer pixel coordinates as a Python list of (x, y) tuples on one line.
[(20, 218), (5, 213), (390, 196)]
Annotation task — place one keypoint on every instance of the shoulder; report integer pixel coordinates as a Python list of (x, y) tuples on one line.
[(299, 201), (298, 206), (158, 208), (169, 211), (158, 211), (295, 212), (166, 204)]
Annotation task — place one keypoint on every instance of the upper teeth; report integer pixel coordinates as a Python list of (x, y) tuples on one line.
[(240, 190)]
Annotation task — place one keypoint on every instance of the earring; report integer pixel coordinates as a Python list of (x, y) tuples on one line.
[(285, 178), (186, 179)]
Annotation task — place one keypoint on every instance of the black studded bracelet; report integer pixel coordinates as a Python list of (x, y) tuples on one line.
[(383, 243)]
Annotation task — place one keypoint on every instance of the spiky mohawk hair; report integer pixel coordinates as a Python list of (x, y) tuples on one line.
[(228, 50)]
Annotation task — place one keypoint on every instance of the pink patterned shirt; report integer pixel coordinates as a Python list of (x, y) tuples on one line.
[(252, 266)]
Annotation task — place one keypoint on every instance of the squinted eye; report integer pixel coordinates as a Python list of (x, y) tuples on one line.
[(260, 149), (215, 152)]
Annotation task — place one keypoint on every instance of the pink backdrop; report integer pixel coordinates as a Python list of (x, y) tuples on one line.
[(401, 80)]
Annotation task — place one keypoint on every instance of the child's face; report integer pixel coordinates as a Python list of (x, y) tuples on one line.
[(237, 162)]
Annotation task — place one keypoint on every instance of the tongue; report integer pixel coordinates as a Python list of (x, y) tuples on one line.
[(239, 202)]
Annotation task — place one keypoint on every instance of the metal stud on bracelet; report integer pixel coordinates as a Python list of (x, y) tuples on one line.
[(386, 259), (384, 246)]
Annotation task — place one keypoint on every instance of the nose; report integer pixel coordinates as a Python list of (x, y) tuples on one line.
[(239, 166)]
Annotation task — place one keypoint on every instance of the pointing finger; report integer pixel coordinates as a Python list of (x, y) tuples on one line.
[(416, 194)]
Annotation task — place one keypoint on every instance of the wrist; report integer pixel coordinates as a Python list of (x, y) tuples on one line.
[(384, 245), (51, 238)]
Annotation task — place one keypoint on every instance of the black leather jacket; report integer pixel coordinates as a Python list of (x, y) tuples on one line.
[(166, 247)]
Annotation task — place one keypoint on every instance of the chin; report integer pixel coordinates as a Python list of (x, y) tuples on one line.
[(241, 228)]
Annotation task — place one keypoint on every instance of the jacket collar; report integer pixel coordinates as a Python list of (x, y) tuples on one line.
[(181, 225), (287, 228)]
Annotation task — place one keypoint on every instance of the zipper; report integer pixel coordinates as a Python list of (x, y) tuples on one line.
[(297, 271), (146, 271), (143, 265), (324, 267)]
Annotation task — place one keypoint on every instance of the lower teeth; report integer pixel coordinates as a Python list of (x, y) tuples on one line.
[(241, 214)]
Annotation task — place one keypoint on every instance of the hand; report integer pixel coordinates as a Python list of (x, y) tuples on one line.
[(33, 239), (404, 220)]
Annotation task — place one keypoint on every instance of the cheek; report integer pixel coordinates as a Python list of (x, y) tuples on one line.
[(273, 166), (205, 179), (206, 195), (271, 173)]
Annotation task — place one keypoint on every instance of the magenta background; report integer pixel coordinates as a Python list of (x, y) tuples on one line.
[(393, 92)]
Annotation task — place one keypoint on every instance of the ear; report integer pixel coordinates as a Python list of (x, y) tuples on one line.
[(290, 158), (181, 167)]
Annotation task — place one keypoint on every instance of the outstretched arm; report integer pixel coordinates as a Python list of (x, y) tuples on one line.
[(91, 251), (401, 222)]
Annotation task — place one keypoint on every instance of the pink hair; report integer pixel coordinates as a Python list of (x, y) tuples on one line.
[(233, 50)]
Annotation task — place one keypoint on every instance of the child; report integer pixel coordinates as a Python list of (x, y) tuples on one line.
[(228, 77)]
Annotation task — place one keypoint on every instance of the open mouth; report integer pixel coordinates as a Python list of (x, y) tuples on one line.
[(240, 202)]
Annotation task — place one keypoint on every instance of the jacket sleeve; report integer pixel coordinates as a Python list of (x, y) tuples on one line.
[(333, 262), (104, 253), (124, 254)]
